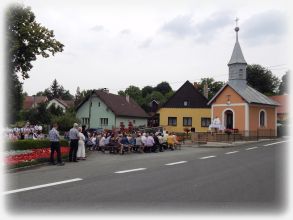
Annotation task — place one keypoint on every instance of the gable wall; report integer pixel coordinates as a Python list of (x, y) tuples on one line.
[(234, 97)]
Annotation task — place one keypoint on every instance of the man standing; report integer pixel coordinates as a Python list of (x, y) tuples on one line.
[(74, 137), (55, 145)]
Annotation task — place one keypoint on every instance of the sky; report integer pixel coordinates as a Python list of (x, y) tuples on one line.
[(114, 44)]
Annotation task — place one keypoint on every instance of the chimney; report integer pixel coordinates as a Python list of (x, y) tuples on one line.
[(127, 98), (195, 85), (106, 90), (206, 90)]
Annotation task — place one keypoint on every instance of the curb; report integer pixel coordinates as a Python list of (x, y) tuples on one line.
[(223, 145)]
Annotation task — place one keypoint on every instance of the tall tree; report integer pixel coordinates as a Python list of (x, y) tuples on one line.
[(146, 90), (262, 79), (80, 95), (26, 39), (213, 86), (135, 93), (55, 89), (163, 87), (284, 85)]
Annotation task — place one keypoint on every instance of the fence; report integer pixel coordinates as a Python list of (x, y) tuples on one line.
[(235, 136)]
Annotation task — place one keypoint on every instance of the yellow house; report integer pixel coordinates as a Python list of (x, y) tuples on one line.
[(187, 108)]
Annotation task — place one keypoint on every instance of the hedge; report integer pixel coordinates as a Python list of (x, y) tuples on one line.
[(31, 144)]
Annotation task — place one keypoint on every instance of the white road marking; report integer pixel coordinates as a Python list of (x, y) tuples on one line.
[(41, 186), (133, 170), (274, 143), (251, 148), (232, 152), (179, 162), (202, 158)]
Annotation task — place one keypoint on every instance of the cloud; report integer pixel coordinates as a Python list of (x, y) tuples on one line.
[(125, 31), (184, 26), (146, 43), (207, 29), (181, 26), (98, 28), (266, 27)]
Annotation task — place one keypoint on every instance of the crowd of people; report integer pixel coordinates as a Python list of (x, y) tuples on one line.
[(26, 132), (116, 142), (120, 142)]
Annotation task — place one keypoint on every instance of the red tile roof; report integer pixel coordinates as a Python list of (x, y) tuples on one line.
[(30, 100), (284, 103)]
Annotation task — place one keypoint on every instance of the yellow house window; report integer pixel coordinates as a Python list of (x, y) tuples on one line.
[(172, 121), (205, 122), (187, 121)]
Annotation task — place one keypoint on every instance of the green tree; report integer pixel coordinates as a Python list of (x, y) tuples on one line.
[(163, 87), (55, 111), (122, 93), (15, 98), (155, 95), (26, 39), (66, 121), (56, 91), (38, 115), (135, 93), (213, 86), (262, 79), (146, 90), (284, 85), (80, 96)]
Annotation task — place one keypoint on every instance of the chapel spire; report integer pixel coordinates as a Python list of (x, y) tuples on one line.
[(237, 64)]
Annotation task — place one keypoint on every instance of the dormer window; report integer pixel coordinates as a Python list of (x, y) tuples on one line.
[(186, 103)]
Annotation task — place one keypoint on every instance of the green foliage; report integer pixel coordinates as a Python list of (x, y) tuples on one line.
[(80, 96), (122, 93), (56, 111), (15, 97), (262, 79), (31, 144), (284, 85), (66, 121), (213, 86), (56, 91), (155, 95), (143, 97), (135, 93), (146, 90), (163, 87), (27, 39), (38, 115)]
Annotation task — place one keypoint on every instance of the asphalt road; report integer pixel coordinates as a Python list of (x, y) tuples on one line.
[(251, 177)]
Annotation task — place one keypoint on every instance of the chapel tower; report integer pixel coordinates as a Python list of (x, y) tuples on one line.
[(237, 64)]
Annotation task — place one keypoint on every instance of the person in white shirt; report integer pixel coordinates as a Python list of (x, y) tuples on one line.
[(143, 141), (150, 142), (81, 146)]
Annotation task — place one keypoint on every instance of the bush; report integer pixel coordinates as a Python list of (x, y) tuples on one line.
[(31, 144)]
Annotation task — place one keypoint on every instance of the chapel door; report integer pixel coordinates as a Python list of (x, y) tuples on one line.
[(229, 119)]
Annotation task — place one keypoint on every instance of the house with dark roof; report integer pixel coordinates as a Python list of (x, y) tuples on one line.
[(102, 109), (239, 106), (33, 101), (64, 104), (187, 108)]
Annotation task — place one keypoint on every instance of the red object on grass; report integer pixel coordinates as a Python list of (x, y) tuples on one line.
[(35, 154)]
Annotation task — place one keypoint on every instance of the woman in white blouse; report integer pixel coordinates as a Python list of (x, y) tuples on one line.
[(81, 148)]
